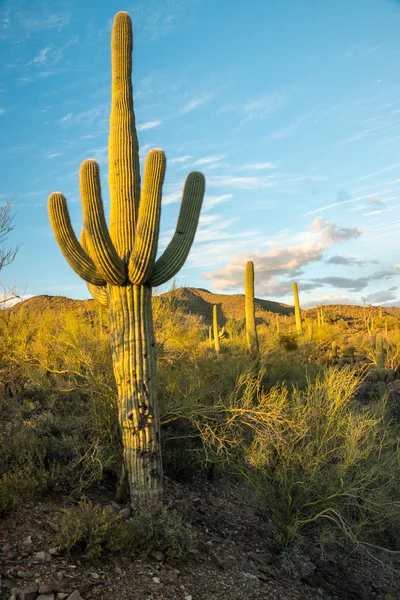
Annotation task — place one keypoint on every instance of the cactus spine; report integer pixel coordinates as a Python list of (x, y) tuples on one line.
[(216, 330), (120, 269), (299, 327), (251, 330)]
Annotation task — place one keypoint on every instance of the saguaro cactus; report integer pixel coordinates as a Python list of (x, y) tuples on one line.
[(251, 330), (299, 327), (216, 330), (120, 266)]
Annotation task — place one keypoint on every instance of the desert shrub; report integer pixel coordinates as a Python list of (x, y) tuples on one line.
[(94, 529), (16, 489), (314, 456), (61, 416)]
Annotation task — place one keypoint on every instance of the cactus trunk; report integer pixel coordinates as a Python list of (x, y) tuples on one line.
[(251, 330), (297, 312), (134, 361), (216, 330)]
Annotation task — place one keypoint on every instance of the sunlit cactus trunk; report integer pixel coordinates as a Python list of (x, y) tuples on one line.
[(251, 329), (299, 326), (120, 268), (134, 360)]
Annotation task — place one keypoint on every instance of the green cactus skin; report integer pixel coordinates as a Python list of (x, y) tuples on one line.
[(216, 330), (379, 357), (251, 329), (380, 374), (299, 327), (120, 268), (310, 331)]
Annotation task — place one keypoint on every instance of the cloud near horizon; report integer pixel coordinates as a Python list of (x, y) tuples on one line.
[(281, 261)]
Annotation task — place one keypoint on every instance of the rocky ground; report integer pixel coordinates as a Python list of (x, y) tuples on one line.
[(235, 557)]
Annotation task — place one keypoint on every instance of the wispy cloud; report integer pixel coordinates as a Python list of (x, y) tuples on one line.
[(206, 160), (247, 183), (179, 159), (265, 166), (195, 104), (281, 261), (211, 201), (260, 108), (53, 155), (148, 125), (40, 58)]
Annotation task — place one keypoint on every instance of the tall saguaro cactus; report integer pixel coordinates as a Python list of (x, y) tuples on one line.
[(120, 267), (251, 330), (297, 312)]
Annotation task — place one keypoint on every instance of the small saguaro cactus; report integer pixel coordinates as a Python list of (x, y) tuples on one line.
[(299, 327), (380, 374), (217, 344), (251, 329), (120, 267)]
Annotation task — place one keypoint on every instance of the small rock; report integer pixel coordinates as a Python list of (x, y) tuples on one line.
[(62, 596), (118, 570), (157, 555), (56, 551), (46, 597), (249, 576), (27, 593), (27, 541), (94, 575), (188, 598), (125, 512), (75, 596), (43, 556), (156, 580), (217, 560), (24, 574)]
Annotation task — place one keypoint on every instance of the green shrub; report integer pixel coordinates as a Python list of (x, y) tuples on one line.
[(16, 489), (94, 530), (314, 456)]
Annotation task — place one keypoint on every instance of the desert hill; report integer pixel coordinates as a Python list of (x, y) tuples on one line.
[(199, 302)]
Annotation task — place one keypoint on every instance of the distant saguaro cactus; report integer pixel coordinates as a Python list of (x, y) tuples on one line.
[(216, 330), (120, 266), (251, 330), (299, 327)]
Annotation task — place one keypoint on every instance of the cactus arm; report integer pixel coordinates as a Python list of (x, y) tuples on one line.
[(148, 225), (216, 330), (99, 293), (69, 245), (123, 148), (178, 249), (100, 246)]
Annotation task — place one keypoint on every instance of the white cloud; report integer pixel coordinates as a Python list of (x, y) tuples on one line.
[(211, 201), (195, 104), (179, 159), (148, 125), (282, 261), (41, 58), (206, 160), (266, 166)]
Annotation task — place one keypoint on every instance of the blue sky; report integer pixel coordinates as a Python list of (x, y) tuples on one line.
[(291, 109)]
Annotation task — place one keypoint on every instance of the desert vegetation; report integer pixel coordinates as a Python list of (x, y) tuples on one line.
[(299, 409), (305, 425)]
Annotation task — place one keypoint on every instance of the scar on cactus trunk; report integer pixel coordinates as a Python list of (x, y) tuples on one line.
[(120, 268)]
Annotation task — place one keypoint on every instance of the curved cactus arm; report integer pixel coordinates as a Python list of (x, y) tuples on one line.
[(178, 249), (123, 146), (100, 246), (99, 293), (69, 245), (146, 237)]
